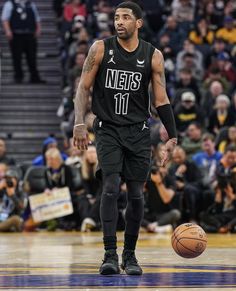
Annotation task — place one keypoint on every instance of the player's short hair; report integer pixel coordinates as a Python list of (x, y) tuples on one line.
[(136, 9)]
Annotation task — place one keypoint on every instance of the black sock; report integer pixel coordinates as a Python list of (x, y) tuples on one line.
[(109, 243), (130, 242)]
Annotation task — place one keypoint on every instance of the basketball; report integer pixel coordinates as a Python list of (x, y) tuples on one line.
[(189, 240)]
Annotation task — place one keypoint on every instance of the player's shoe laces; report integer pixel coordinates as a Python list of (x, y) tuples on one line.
[(110, 263), (130, 264)]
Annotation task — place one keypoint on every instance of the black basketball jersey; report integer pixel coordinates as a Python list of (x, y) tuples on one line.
[(120, 92)]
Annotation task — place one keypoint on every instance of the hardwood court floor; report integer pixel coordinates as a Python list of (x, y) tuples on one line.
[(70, 260)]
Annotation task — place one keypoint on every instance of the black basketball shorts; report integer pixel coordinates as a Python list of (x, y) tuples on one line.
[(123, 149)]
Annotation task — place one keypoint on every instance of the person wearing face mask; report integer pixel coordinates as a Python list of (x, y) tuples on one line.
[(21, 23)]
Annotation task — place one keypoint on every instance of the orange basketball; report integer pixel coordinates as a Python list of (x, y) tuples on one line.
[(189, 240)]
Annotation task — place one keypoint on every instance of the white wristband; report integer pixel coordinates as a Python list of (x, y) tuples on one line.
[(80, 124)]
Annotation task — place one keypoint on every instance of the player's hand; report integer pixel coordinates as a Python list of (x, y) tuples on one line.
[(167, 151), (80, 137)]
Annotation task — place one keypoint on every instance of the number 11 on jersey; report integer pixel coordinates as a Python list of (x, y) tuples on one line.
[(121, 103)]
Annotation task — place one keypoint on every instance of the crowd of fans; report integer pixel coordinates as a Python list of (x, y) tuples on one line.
[(198, 41)]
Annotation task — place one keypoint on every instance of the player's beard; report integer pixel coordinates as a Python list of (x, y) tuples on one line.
[(125, 35)]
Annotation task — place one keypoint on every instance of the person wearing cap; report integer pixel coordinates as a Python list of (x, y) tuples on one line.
[(228, 31), (225, 66), (49, 142), (222, 115), (12, 202), (186, 112)]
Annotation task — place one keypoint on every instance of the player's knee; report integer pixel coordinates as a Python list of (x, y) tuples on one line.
[(111, 183), (108, 205)]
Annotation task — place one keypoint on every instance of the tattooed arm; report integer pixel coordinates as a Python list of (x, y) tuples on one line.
[(90, 69), (159, 80)]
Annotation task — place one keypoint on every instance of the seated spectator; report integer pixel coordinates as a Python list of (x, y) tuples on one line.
[(228, 31), (214, 74), (209, 99), (193, 55), (49, 142), (76, 70), (210, 13), (230, 140), (186, 112), (191, 143), (219, 46), (175, 34), (221, 116), (188, 184), (3, 154), (186, 82), (225, 66), (220, 217), (89, 202), (183, 12), (12, 202), (74, 8), (160, 214), (56, 174), (207, 159), (188, 61), (202, 34)]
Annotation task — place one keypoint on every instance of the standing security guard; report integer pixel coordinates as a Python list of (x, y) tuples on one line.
[(21, 24)]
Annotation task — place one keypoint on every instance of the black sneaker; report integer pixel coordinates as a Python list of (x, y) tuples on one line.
[(130, 264), (110, 265)]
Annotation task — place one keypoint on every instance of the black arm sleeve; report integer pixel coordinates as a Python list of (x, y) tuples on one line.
[(166, 115)]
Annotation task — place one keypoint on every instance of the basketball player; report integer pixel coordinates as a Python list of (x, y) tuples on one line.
[(119, 69)]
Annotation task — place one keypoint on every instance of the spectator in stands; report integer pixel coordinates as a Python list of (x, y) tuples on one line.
[(208, 158), (169, 56), (12, 202), (74, 8), (228, 31), (175, 34), (208, 102), (49, 142), (3, 154), (160, 214), (188, 184), (191, 143), (193, 55), (212, 16), (77, 68), (188, 62), (214, 74), (219, 46), (22, 27), (220, 217), (186, 112), (225, 66), (186, 82), (59, 175), (222, 115), (183, 11), (89, 202), (202, 34), (230, 139)]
